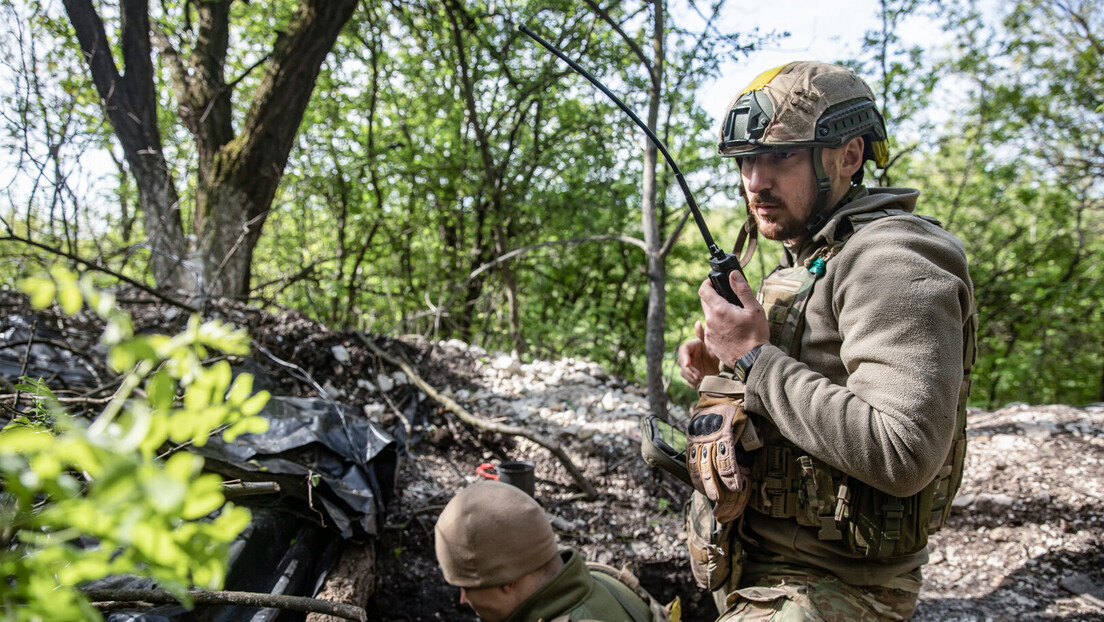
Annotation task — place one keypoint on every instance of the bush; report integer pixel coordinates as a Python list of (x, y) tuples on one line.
[(84, 500)]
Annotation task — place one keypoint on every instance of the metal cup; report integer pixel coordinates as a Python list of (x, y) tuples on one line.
[(518, 473)]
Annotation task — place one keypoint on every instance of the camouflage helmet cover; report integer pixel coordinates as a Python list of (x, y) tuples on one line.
[(803, 104)]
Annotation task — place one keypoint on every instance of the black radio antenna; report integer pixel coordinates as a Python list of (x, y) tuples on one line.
[(722, 262)]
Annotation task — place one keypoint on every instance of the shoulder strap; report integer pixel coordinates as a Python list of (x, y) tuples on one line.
[(606, 574), (608, 583), (858, 221)]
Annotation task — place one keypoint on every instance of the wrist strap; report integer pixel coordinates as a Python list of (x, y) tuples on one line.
[(742, 367)]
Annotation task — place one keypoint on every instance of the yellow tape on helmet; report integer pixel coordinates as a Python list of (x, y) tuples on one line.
[(763, 79), (880, 148)]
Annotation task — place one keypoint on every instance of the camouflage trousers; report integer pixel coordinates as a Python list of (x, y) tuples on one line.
[(781, 593), (769, 589)]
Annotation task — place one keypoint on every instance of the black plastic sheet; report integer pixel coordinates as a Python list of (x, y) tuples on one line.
[(321, 452)]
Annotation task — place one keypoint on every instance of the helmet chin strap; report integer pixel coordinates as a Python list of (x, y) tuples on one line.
[(819, 216)]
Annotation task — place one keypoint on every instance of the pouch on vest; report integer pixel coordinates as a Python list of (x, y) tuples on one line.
[(793, 484), (714, 553), (719, 439)]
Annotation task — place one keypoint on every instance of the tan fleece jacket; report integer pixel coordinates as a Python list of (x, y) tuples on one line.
[(875, 388)]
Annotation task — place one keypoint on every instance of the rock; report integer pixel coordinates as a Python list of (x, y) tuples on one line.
[(506, 363), (340, 353), (609, 402), (1083, 585), (332, 391)]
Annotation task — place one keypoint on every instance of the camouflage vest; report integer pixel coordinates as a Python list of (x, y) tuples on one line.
[(796, 485)]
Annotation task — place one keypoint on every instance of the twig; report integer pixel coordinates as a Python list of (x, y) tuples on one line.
[(233, 490), (23, 364), (310, 496), (93, 265), (247, 599), (588, 490)]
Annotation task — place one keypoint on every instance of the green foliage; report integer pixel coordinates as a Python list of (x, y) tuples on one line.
[(1016, 177), (439, 139), (81, 502), (404, 186)]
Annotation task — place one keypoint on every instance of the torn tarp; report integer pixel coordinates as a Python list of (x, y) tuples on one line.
[(338, 465)]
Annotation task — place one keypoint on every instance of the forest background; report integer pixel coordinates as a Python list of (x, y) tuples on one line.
[(418, 167)]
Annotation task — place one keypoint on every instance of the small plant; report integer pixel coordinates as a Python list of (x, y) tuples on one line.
[(81, 501), (665, 506)]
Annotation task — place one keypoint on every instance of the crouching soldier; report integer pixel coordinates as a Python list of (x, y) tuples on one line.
[(496, 544)]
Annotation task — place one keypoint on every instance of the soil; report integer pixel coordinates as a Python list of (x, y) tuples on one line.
[(1023, 543)]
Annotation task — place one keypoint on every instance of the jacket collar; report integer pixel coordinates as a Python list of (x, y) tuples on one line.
[(860, 200)]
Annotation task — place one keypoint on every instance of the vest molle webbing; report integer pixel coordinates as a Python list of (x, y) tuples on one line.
[(793, 484)]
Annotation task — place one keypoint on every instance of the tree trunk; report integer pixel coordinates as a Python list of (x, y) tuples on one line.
[(129, 101), (246, 171), (656, 322), (238, 175), (351, 581)]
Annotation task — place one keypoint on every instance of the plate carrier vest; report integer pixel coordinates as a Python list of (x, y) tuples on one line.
[(794, 484)]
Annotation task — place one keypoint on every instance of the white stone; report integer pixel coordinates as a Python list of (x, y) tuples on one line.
[(609, 402), (505, 362), (385, 383), (332, 391), (341, 353)]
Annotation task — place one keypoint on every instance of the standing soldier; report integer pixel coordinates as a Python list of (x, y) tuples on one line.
[(851, 370)]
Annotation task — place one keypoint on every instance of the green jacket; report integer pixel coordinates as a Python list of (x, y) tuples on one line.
[(875, 387), (578, 594)]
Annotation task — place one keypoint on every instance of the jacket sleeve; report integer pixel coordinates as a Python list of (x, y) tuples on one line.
[(897, 296)]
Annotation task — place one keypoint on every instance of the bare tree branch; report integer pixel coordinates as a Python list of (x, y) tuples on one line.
[(247, 599), (633, 45), (93, 265), (491, 426)]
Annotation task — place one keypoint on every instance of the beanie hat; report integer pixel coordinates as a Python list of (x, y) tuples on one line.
[(492, 534)]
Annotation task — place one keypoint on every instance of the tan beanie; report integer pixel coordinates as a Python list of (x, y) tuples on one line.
[(492, 534)]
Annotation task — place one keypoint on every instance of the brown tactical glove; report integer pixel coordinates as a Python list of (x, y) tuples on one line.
[(714, 451)]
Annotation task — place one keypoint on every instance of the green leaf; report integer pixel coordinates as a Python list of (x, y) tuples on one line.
[(68, 292), (40, 290)]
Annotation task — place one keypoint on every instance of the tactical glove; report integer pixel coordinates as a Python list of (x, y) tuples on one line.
[(718, 438)]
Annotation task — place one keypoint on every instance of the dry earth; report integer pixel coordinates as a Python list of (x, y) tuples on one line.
[(1024, 543)]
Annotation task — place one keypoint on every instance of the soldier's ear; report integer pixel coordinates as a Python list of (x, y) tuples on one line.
[(851, 160)]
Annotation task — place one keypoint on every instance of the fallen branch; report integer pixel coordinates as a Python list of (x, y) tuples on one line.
[(233, 490), (499, 428), (246, 599)]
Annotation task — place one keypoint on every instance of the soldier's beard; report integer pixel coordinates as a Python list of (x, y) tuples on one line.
[(781, 223)]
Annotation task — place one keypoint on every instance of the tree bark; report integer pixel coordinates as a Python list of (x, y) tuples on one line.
[(245, 172), (130, 102), (351, 581), (656, 322), (237, 174)]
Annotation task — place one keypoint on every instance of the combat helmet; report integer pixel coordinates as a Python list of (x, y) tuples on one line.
[(805, 104)]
